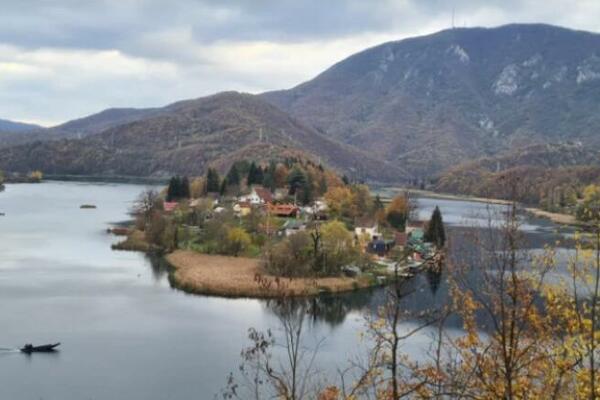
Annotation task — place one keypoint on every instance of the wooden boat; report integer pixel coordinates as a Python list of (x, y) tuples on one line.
[(46, 348)]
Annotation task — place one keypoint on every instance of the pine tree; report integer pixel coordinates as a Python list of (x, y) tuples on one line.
[(173, 188), (184, 188), (435, 230), (233, 176), (258, 178), (296, 180), (223, 188), (307, 191), (269, 177), (252, 174), (212, 181)]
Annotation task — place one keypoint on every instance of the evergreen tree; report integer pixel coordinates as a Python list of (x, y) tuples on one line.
[(269, 177), (345, 180), (252, 174), (435, 230), (259, 175), (223, 188), (307, 192), (296, 180), (173, 188), (184, 188), (179, 188), (233, 176), (212, 181)]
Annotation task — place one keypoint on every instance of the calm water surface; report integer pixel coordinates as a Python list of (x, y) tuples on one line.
[(126, 333)]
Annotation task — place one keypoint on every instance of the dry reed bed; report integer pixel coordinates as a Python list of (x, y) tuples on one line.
[(243, 277)]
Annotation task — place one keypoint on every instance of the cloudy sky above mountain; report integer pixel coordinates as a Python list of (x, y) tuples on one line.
[(64, 59)]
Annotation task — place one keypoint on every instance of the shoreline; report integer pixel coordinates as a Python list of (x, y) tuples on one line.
[(226, 276), (557, 218), (445, 196)]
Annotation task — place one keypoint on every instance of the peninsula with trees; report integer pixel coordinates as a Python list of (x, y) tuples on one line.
[(281, 227)]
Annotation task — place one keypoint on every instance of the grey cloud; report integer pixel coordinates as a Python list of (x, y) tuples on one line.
[(195, 39)]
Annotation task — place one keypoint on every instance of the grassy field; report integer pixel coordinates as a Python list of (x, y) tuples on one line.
[(242, 277)]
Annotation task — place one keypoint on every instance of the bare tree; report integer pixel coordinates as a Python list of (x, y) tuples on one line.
[(278, 366)]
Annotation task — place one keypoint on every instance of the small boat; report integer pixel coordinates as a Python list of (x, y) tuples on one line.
[(46, 348)]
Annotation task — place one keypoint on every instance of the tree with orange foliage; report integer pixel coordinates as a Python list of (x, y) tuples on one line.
[(398, 211)]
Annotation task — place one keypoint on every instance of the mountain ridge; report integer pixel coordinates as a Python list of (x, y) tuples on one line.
[(458, 94), (187, 136)]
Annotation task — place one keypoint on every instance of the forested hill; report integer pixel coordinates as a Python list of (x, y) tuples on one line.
[(186, 137), (429, 102)]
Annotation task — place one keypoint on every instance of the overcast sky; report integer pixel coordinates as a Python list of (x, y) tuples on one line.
[(61, 60)]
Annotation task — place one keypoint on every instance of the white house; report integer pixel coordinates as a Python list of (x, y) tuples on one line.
[(367, 227), (258, 195)]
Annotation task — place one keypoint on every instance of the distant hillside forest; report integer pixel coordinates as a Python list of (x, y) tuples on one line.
[(553, 177)]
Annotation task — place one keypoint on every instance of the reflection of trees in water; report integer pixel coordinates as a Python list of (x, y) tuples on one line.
[(329, 308), (159, 266), (434, 278)]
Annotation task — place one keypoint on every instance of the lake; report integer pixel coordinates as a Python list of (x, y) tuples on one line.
[(125, 333)]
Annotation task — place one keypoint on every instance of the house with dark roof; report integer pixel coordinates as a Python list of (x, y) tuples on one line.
[(380, 247)]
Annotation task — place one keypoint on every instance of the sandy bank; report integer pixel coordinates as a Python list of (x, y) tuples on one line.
[(237, 277), (448, 196), (564, 219)]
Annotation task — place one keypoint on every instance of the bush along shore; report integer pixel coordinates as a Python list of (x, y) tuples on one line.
[(31, 177), (282, 228)]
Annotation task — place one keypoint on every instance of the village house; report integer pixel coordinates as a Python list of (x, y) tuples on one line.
[(368, 227), (284, 210), (380, 247), (170, 206), (292, 226), (258, 195), (413, 226), (242, 208), (400, 238)]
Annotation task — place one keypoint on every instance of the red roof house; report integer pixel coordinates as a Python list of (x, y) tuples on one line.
[(169, 206), (284, 210)]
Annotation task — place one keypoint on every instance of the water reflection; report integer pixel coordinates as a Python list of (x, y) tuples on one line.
[(158, 266), (434, 278), (328, 308)]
